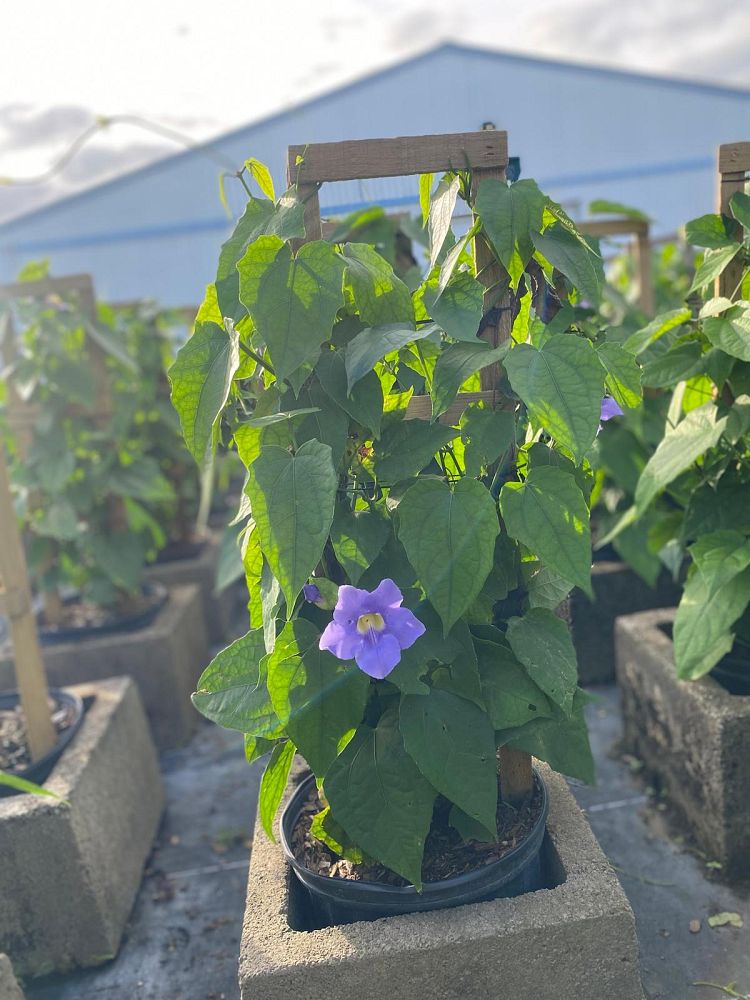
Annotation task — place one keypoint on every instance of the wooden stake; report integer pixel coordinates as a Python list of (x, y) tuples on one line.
[(734, 164), (30, 675), (516, 775)]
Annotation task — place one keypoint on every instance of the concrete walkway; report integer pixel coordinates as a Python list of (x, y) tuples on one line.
[(183, 939)]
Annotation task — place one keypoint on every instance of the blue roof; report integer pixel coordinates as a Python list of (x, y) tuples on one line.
[(626, 76)]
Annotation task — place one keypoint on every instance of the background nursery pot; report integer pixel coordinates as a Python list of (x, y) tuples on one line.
[(72, 865), (618, 590), (582, 927), (164, 659), (343, 901), (693, 737), (39, 770)]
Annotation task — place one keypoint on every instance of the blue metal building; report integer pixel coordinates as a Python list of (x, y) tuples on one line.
[(583, 132)]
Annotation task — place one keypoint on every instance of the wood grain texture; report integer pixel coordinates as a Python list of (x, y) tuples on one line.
[(359, 159), (734, 156), (516, 775), (613, 227), (14, 586)]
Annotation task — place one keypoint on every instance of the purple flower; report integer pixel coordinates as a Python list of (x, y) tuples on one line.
[(610, 409), (312, 593), (371, 628)]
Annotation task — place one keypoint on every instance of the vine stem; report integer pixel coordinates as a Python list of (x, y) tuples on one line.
[(257, 358)]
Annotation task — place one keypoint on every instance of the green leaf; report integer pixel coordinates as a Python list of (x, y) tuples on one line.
[(708, 231), (363, 402), (449, 536), (201, 379), (678, 363), (120, 558), (468, 828), (579, 263), (316, 696), (702, 625), (292, 499), (678, 449), (720, 556), (549, 515), (358, 538), (547, 589), (453, 257), (541, 642), (262, 176), (111, 343), (487, 434), (710, 509), (59, 521), (740, 208), (442, 203), (232, 690), (142, 480), (738, 419), (407, 447), (257, 747), (326, 422), (273, 783), (731, 331), (713, 264), (511, 697), (379, 295), (458, 310), (623, 378), (378, 795), (293, 300), (452, 743), (661, 324), (23, 785), (425, 190), (725, 920), (325, 828), (457, 363), (562, 385), (509, 214), (600, 206), (561, 741), (371, 345)]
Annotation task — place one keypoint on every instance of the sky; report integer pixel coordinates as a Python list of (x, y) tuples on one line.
[(201, 68)]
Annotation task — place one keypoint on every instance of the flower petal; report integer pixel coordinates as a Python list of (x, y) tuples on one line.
[(405, 626), (386, 595), (352, 602), (610, 408), (340, 640), (378, 654)]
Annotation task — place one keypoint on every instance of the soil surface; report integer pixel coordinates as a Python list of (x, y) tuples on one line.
[(181, 549), (79, 614), (446, 854), (14, 753)]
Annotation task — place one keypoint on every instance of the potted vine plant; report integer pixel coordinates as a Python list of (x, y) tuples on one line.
[(86, 488), (184, 549), (404, 573), (698, 479)]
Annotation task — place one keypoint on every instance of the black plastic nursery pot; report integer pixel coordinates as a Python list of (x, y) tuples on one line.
[(40, 770), (733, 672), (122, 623), (345, 901)]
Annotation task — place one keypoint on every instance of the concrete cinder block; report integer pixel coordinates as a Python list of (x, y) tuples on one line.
[(71, 866), (9, 988), (165, 659), (218, 609), (618, 590), (692, 736), (576, 941)]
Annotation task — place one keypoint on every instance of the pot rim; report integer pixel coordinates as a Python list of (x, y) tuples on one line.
[(403, 891), (13, 696)]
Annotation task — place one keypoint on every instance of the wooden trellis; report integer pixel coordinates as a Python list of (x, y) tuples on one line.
[(22, 414), (639, 231), (734, 167), (486, 155), (15, 604)]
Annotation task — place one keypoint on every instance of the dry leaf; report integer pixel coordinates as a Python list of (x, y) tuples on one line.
[(725, 919)]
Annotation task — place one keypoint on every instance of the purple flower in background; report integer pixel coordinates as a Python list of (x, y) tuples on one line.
[(312, 593), (371, 628), (609, 409)]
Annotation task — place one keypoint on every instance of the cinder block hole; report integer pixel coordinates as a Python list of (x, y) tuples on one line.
[(732, 672), (301, 917)]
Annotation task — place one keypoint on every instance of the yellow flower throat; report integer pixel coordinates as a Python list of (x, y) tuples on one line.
[(370, 621)]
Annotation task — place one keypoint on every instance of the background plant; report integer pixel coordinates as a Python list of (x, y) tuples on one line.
[(307, 359), (700, 470)]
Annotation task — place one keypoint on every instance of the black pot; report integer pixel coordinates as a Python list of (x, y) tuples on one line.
[(344, 901), (733, 673), (39, 770), (124, 623)]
